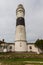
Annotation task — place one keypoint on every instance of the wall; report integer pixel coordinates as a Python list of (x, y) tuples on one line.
[(33, 48), (11, 47), (20, 46)]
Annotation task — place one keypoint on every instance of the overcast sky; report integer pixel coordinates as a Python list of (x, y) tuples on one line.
[(33, 19)]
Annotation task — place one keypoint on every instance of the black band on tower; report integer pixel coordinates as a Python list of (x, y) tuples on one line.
[(20, 21)]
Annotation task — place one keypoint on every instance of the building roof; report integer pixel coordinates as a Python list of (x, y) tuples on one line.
[(30, 43)]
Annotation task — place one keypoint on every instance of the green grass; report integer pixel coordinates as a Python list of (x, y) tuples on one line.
[(19, 58), (24, 59)]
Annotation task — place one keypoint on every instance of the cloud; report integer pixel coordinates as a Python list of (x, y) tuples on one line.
[(35, 22)]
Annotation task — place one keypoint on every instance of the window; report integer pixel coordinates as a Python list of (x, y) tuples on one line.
[(5, 47), (30, 47), (0, 46), (10, 48)]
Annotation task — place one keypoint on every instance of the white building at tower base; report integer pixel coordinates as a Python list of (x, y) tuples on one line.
[(10, 47)]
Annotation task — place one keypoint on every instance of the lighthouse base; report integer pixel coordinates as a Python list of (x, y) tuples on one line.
[(20, 46)]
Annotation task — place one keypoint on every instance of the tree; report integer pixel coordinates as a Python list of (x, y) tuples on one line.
[(39, 44)]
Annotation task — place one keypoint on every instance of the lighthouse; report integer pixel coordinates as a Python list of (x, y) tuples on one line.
[(20, 33)]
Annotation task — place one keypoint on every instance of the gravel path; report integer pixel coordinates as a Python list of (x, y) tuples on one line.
[(34, 62)]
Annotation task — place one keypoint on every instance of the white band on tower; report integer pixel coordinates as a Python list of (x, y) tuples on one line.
[(20, 11)]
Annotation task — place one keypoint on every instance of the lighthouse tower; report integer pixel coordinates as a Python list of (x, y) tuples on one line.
[(20, 35)]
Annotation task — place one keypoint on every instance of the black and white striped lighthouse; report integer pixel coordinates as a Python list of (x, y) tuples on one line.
[(20, 34)]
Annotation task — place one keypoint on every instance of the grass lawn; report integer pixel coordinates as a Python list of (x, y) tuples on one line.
[(21, 59)]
